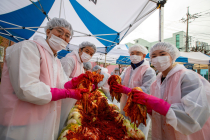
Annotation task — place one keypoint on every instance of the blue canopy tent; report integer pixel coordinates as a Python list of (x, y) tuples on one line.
[(24, 19), (20, 20), (123, 60), (185, 57), (182, 59)]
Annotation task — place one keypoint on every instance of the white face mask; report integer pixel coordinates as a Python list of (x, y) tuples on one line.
[(161, 63), (135, 59), (85, 57), (57, 43)]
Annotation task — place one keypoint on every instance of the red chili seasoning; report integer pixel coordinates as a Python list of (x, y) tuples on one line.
[(98, 118)]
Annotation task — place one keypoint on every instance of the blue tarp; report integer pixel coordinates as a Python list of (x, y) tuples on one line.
[(62, 53)]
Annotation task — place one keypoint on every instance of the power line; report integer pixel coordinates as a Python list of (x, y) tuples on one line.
[(204, 33), (204, 11), (201, 20), (201, 36), (176, 29), (204, 16), (201, 25), (192, 18)]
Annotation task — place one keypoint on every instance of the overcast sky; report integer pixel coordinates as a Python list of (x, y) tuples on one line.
[(174, 11)]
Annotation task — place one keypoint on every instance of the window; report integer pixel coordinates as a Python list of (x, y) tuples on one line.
[(1, 54), (177, 41), (137, 41)]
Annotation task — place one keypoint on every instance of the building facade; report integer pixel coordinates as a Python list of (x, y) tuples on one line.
[(4, 43), (178, 39)]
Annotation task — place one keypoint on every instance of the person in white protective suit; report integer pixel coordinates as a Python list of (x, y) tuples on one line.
[(123, 68), (87, 66), (179, 100), (139, 74), (116, 71), (73, 66), (32, 86), (73, 62), (104, 83)]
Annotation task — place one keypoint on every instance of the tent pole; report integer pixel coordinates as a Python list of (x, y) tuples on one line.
[(153, 1), (105, 61), (60, 9), (161, 20), (19, 28), (209, 72), (119, 69), (13, 36), (161, 24), (199, 70)]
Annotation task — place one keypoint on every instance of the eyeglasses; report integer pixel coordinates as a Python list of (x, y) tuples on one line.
[(61, 33)]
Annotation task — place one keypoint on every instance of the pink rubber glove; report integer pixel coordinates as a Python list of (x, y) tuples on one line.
[(121, 89), (58, 94), (74, 81), (149, 111), (156, 104), (93, 88)]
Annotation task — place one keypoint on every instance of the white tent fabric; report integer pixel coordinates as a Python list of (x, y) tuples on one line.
[(102, 22), (118, 18), (196, 57), (185, 57), (122, 50), (111, 56)]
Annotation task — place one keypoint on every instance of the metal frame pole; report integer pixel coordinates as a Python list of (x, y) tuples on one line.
[(209, 72), (161, 20), (160, 24), (105, 60)]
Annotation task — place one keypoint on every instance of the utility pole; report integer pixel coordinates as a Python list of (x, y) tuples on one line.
[(187, 38), (189, 17)]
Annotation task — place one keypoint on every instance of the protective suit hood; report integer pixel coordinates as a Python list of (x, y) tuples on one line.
[(43, 43), (176, 68), (77, 55), (145, 63)]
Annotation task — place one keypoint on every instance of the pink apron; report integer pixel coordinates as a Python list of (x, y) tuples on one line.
[(77, 68), (136, 76), (15, 112), (163, 131), (135, 81), (68, 103)]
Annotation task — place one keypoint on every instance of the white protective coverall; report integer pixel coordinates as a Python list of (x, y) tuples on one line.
[(73, 67), (104, 84), (105, 87), (25, 98), (72, 64), (189, 115), (114, 73), (147, 78)]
